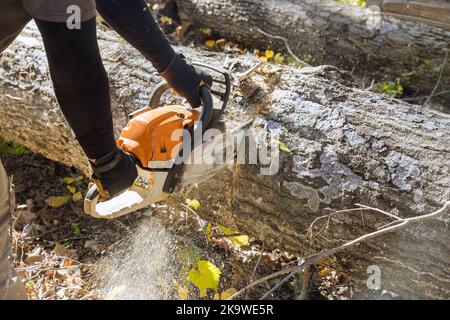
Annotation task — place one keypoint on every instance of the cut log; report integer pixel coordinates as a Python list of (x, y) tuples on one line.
[(375, 47), (346, 145)]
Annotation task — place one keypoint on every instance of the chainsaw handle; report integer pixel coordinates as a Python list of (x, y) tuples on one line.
[(205, 97), (90, 202)]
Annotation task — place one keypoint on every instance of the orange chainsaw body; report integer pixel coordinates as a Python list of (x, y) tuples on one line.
[(154, 135)]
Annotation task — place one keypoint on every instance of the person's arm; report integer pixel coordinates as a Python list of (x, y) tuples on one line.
[(82, 88), (135, 23)]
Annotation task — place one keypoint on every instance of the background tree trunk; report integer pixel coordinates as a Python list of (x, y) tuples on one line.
[(434, 12), (347, 146), (331, 33)]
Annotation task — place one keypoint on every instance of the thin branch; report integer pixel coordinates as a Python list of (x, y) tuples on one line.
[(199, 220), (286, 43), (314, 258), (413, 99), (439, 79), (279, 284)]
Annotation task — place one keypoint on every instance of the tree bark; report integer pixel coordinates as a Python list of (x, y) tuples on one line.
[(347, 146), (332, 33)]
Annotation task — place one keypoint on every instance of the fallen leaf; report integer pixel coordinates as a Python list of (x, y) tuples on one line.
[(208, 231), (210, 43), (269, 54), (57, 202), (206, 31), (207, 276), (283, 147), (237, 241), (279, 58), (77, 196), (68, 180), (193, 203), (71, 189), (166, 20)]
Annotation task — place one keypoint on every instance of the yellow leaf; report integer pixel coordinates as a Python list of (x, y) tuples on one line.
[(210, 43), (324, 272), (207, 276), (283, 147), (269, 54), (206, 31), (264, 59), (71, 189), (183, 292), (237, 241), (208, 230), (279, 58), (56, 202), (166, 20), (77, 196), (68, 180), (193, 203)]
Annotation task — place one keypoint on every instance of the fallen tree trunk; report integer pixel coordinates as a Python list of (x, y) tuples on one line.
[(434, 12), (347, 146), (354, 38)]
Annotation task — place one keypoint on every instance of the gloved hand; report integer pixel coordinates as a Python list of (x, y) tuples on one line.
[(186, 80), (113, 173)]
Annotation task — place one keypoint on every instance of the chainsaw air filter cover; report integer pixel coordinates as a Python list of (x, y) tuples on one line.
[(154, 136)]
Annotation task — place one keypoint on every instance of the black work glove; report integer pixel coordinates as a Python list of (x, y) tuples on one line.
[(186, 80), (113, 173)]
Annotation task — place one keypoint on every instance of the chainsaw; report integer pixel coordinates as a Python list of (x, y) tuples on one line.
[(154, 138)]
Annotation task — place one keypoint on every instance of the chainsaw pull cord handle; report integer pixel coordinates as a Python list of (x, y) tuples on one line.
[(93, 195)]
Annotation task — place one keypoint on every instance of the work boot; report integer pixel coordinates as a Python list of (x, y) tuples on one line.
[(113, 173)]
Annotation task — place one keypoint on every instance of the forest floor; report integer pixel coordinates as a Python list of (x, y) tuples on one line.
[(61, 253)]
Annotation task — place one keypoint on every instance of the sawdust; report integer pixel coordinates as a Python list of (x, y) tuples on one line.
[(142, 266)]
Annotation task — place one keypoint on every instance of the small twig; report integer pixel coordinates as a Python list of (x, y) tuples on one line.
[(413, 99), (286, 43), (275, 287), (199, 220), (439, 79)]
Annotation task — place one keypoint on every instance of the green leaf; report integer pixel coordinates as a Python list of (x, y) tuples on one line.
[(11, 148), (71, 189), (207, 276), (193, 203), (76, 229)]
